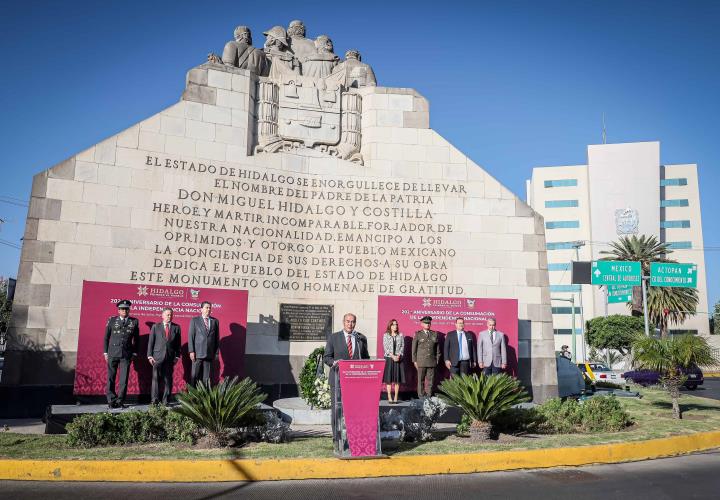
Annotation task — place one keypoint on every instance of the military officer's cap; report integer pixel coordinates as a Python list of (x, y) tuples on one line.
[(124, 304), (426, 319)]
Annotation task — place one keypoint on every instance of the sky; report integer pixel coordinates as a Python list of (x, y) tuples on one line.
[(512, 84)]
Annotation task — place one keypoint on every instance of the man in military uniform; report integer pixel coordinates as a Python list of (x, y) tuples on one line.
[(425, 356), (122, 336)]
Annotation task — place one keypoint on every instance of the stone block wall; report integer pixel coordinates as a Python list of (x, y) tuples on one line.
[(95, 216)]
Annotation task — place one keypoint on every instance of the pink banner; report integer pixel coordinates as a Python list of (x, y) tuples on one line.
[(98, 304), (359, 382), (444, 311)]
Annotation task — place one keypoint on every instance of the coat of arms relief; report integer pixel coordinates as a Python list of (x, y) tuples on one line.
[(307, 96)]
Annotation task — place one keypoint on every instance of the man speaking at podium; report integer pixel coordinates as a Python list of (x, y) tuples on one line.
[(345, 344)]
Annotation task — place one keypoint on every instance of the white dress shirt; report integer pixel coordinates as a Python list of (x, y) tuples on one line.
[(352, 337), (463, 343)]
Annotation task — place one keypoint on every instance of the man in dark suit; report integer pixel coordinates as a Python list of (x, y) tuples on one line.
[(345, 344), (203, 342), (459, 349), (163, 352), (122, 337)]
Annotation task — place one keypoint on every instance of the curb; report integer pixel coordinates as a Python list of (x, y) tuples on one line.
[(328, 468)]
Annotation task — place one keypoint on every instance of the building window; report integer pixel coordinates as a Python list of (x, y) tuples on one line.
[(565, 310), (673, 203), (562, 224), (672, 224), (679, 245), (561, 203), (564, 288), (560, 245), (566, 331), (561, 183), (565, 266), (680, 181)]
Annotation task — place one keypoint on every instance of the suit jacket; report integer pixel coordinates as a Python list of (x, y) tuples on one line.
[(203, 342), (161, 348), (492, 353), (121, 341), (336, 348), (451, 350)]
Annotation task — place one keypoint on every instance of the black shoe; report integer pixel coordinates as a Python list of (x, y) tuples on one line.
[(154, 402), (112, 404)]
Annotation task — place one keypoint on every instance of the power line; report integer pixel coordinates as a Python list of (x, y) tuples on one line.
[(10, 244), (13, 201)]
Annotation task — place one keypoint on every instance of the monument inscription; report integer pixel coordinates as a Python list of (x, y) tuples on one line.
[(305, 322)]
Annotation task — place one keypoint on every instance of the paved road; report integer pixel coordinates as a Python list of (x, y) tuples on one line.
[(693, 476), (710, 389)]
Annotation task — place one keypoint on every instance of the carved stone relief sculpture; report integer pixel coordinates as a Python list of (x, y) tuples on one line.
[(306, 96)]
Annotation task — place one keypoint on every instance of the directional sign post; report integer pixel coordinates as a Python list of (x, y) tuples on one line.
[(611, 272), (619, 294), (671, 274)]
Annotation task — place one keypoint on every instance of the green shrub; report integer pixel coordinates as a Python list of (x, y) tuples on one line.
[(222, 408), (515, 420), (597, 414), (463, 428), (482, 398), (131, 427)]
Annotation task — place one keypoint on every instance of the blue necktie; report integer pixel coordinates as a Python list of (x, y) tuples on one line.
[(460, 344)]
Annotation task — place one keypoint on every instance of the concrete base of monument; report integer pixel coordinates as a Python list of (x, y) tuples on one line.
[(298, 412)]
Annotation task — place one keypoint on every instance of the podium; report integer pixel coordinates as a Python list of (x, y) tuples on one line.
[(356, 386)]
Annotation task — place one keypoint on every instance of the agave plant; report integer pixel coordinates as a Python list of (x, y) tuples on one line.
[(482, 398), (221, 408), (668, 356)]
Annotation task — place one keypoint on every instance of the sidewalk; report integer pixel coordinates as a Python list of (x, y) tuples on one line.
[(22, 425)]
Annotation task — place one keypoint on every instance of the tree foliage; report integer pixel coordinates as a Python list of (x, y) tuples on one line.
[(668, 356), (614, 332), (680, 303), (716, 319)]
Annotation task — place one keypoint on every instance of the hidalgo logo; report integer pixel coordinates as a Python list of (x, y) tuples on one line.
[(427, 302), (470, 303), (142, 291), (194, 293)]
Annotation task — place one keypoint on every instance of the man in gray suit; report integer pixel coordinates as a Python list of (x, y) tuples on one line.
[(203, 342), (163, 352), (492, 350)]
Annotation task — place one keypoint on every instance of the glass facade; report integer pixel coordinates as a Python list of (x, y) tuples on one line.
[(565, 310), (680, 181), (562, 224), (673, 203), (566, 331), (561, 203), (679, 245), (561, 183), (564, 288), (673, 224), (560, 245), (564, 266)]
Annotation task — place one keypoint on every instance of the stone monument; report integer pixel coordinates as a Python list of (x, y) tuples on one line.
[(287, 172)]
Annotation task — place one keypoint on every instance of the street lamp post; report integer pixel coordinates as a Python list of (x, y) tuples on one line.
[(576, 245)]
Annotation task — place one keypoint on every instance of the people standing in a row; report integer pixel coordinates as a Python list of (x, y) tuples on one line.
[(163, 353), (122, 338), (121, 344), (393, 346), (203, 343)]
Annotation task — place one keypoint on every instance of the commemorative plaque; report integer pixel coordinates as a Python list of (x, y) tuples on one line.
[(305, 322)]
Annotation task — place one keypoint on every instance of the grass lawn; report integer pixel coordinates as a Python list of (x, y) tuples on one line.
[(651, 414)]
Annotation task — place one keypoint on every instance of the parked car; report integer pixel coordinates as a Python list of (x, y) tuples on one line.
[(595, 372), (650, 377)]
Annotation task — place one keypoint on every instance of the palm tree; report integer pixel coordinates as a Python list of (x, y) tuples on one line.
[(669, 356), (670, 306), (482, 398), (680, 303)]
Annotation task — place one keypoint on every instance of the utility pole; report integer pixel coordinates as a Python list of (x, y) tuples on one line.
[(645, 309), (576, 246)]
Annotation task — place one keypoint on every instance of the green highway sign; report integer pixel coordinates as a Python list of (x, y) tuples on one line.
[(673, 274), (614, 272), (619, 294)]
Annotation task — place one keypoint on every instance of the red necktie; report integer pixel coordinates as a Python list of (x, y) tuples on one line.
[(349, 340), (167, 331), (207, 324)]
